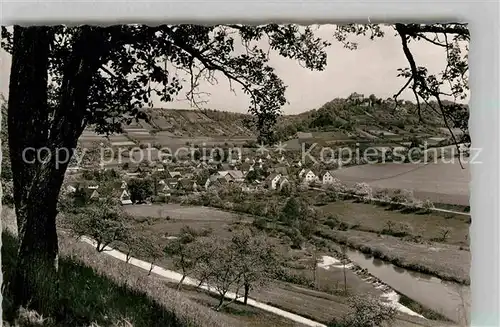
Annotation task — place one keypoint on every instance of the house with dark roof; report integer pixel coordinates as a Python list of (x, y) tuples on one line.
[(236, 175), (187, 185)]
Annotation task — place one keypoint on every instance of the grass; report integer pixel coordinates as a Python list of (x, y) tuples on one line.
[(375, 219), (100, 290), (440, 182), (295, 291), (416, 307), (90, 297), (447, 262)]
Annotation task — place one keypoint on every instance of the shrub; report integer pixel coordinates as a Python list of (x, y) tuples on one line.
[(403, 197), (383, 195), (259, 223), (336, 186), (364, 190), (332, 221), (427, 205), (366, 312)]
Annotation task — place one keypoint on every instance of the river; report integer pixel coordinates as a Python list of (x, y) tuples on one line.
[(450, 299)]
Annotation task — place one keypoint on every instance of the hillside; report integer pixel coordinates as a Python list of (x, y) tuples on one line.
[(356, 119)]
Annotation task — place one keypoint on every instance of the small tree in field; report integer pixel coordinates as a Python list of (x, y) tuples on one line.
[(132, 245), (186, 252), (363, 190), (104, 224), (256, 259), (428, 206), (149, 249), (444, 234)]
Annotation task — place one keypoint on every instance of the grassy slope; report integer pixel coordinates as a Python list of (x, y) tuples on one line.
[(229, 126), (367, 221), (107, 292), (320, 305)]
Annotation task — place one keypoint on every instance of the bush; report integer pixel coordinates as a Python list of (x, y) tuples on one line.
[(332, 221), (403, 197), (259, 223), (364, 190), (428, 205), (366, 312), (383, 195)]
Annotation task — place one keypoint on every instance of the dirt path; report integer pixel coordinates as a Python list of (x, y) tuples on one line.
[(176, 277), (172, 275)]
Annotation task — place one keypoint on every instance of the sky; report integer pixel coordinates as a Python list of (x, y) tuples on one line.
[(371, 69)]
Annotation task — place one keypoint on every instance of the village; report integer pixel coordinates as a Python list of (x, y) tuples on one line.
[(163, 182)]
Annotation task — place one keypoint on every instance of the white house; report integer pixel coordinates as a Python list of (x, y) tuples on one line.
[(282, 182), (328, 177), (165, 190), (309, 176), (124, 185), (302, 172), (125, 198), (273, 180)]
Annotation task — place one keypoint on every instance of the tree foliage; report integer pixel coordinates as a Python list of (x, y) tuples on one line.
[(126, 65), (186, 251), (256, 260), (140, 189), (431, 91), (366, 312), (104, 224)]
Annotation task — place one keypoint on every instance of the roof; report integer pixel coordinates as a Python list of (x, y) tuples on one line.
[(186, 183), (171, 181), (245, 166), (236, 174), (331, 172), (282, 170), (174, 173), (272, 176)]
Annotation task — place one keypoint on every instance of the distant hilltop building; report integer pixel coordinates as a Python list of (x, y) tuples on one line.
[(356, 97)]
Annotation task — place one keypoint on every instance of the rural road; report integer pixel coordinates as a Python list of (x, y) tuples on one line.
[(175, 276)]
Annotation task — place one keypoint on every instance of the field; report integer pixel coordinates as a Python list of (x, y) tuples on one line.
[(93, 282), (374, 218), (320, 305), (440, 182)]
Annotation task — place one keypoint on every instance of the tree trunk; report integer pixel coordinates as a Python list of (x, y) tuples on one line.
[(150, 269), (36, 184), (247, 290), (221, 301), (37, 133), (179, 285)]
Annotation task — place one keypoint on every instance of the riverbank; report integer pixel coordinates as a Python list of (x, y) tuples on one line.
[(446, 262), (366, 230)]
